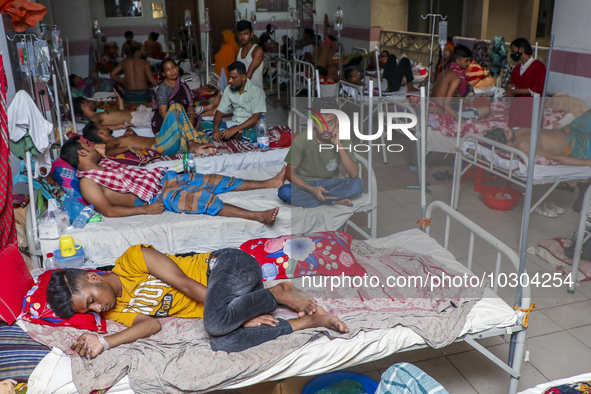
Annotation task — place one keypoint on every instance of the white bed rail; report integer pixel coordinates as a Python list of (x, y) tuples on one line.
[(513, 367), (301, 72), (387, 105), (214, 79), (284, 74)]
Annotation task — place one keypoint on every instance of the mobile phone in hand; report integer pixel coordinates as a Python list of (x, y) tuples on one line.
[(330, 197)]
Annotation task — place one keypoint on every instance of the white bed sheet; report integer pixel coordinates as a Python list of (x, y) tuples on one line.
[(324, 355), (540, 171), (540, 388), (170, 232)]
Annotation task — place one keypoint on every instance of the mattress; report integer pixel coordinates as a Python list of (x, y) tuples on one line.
[(170, 232), (323, 354), (541, 172), (540, 388)]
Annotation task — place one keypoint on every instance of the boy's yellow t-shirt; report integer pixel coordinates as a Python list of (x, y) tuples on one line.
[(146, 294)]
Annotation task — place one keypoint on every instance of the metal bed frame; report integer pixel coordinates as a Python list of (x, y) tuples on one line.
[(582, 237), (302, 71)]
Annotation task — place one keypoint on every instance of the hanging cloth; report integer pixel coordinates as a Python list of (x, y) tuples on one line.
[(498, 56), (7, 226), (480, 52)]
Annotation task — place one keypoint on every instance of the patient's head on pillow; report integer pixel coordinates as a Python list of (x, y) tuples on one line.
[(497, 134), (69, 152), (73, 290), (91, 133)]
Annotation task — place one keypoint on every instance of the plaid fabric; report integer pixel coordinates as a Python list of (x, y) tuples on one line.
[(125, 179), (406, 378), (195, 193), (7, 226), (176, 132)]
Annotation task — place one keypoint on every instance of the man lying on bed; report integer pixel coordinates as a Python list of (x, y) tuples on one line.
[(223, 287), (123, 118), (248, 102), (117, 190), (569, 146), (314, 174), (453, 81)]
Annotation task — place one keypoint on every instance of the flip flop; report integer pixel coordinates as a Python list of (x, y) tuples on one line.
[(565, 186), (553, 207), (545, 212), (439, 176)]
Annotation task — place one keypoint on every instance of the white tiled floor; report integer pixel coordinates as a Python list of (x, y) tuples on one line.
[(559, 337)]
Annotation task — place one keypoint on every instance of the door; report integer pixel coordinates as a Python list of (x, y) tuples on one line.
[(175, 20), (221, 17)]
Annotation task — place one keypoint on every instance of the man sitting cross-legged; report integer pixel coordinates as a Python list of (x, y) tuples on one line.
[(177, 134), (124, 118), (569, 146), (246, 99), (223, 287), (117, 190)]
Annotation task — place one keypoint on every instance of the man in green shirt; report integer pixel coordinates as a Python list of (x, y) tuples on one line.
[(247, 101), (314, 173)]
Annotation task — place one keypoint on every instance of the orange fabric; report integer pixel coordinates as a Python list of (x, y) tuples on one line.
[(227, 53), (24, 14), (451, 47)]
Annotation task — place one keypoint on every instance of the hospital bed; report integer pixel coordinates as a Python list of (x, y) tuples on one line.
[(489, 317), (542, 387)]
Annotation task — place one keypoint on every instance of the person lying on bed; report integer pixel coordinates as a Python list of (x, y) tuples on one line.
[(393, 74), (223, 287), (117, 190), (177, 135), (246, 99), (569, 146), (453, 81), (123, 118), (314, 174)]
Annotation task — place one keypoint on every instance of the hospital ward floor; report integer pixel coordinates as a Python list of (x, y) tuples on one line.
[(559, 334)]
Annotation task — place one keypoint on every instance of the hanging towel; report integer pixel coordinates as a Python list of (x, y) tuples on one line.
[(498, 56), (480, 52), (7, 226), (24, 115)]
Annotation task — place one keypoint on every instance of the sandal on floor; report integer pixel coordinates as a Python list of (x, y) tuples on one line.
[(553, 207), (565, 186), (439, 176), (544, 211)]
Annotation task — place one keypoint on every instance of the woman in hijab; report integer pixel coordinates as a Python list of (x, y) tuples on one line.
[(227, 53)]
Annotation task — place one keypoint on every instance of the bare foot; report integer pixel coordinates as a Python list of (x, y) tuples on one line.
[(319, 319), (411, 89), (287, 294), (278, 180), (268, 217), (346, 202)]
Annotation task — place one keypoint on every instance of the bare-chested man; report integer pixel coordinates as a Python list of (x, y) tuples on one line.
[(117, 190), (137, 76), (124, 118), (453, 81), (569, 146)]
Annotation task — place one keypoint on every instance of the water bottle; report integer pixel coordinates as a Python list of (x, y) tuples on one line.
[(50, 262), (186, 161), (262, 135), (86, 214), (191, 164), (72, 206)]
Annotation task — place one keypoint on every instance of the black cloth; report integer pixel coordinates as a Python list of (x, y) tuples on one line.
[(394, 72)]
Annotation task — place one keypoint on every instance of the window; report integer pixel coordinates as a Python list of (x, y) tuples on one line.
[(123, 8), (272, 5)]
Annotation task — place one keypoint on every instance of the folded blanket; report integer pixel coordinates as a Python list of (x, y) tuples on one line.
[(179, 358)]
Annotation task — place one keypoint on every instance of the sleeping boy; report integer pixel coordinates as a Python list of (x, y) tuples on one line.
[(223, 287)]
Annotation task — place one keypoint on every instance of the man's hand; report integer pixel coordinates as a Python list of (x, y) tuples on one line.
[(335, 137), (88, 344), (267, 320), (205, 150), (136, 151), (317, 192), (510, 90), (229, 133), (216, 135), (156, 208)]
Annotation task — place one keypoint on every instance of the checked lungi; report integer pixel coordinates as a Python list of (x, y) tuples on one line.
[(176, 132), (195, 193)]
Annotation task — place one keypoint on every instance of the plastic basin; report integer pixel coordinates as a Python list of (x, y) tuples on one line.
[(500, 204), (328, 379)]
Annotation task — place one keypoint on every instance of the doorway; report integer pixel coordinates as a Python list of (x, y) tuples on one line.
[(221, 17), (175, 20)]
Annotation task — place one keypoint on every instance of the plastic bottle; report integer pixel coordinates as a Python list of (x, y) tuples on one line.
[(43, 60), (262, 135), (186, 161), (50, 262), (82, 219), (72, 206), (191, 164)]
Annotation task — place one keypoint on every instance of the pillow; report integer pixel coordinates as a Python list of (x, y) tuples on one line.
[(52, 189), (131, 159), (475, 73), (292, 256), (65, 176), (19, 354), (36, 310)]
